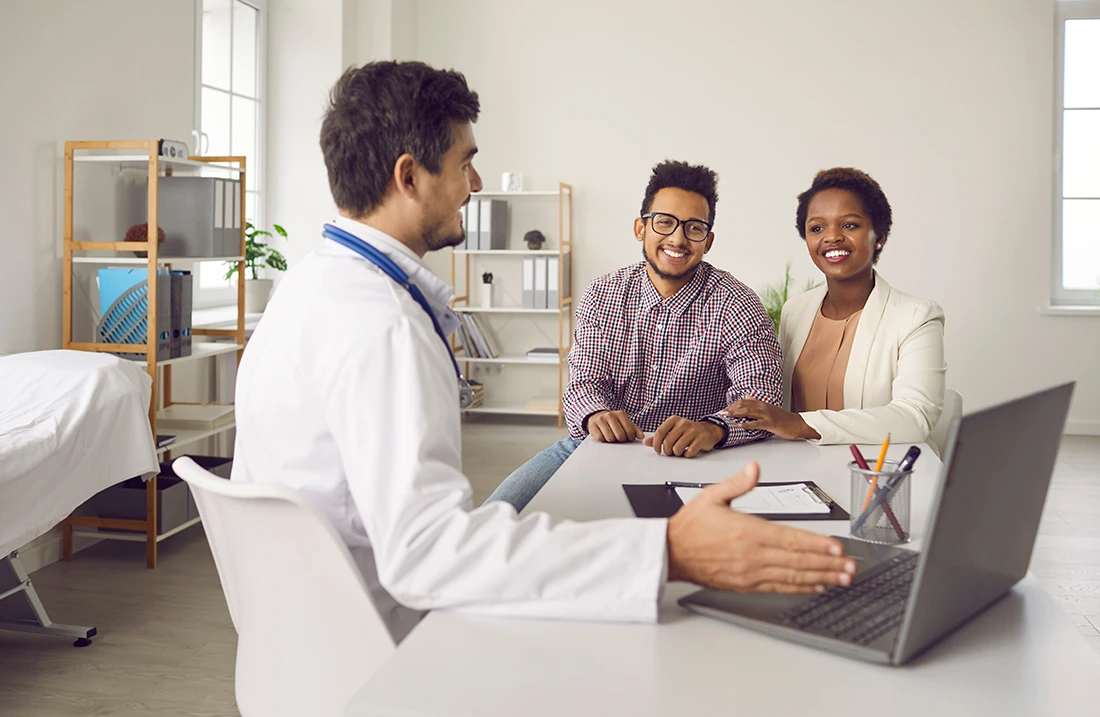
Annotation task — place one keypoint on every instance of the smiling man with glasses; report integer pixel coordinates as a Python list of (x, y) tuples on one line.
[(660, 345)]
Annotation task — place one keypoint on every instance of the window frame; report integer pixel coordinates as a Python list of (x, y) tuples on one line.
[(210, 297), (1065, 10)]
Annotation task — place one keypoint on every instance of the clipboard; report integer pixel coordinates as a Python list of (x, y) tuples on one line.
[(660, 501)]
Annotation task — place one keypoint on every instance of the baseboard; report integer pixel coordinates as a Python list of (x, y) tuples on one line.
[(46, 549), (1082, 428)]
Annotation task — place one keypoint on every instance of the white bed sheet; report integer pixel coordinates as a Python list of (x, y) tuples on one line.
[(71, 424)]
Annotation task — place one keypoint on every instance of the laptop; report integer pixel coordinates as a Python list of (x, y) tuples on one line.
[(996, 472)]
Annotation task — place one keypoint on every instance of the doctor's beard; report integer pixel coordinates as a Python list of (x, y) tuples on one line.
[(441, 236)]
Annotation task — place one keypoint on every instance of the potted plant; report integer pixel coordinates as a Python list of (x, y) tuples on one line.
[(258, 253), (773, 297)]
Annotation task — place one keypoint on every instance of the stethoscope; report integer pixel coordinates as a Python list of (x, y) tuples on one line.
[(383, 262)]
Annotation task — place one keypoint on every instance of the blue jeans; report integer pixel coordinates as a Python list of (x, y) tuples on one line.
[(525, 481)]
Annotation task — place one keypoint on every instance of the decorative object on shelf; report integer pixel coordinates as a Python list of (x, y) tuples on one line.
[(511, 182), (140, 233), (534, 239), (173, 149), (486, 290), (258, 253), (773, 297)]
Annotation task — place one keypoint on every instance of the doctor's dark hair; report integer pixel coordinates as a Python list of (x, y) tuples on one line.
[(858, 183), (681, 175), (382, 110)]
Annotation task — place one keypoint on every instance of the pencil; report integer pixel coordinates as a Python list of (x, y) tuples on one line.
[(878, 467)]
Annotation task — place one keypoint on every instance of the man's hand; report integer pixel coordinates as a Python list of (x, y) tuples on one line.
[(762, 416), (678, 436), (613, 427), (712, 545)]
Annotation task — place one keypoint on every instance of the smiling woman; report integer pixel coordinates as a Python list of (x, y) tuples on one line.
[(860, 359)]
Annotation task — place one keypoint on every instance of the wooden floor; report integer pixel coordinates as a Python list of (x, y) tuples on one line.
[(166, 644)]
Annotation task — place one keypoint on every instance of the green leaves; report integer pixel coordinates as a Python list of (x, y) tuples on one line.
[(258, 253), (773, 297)]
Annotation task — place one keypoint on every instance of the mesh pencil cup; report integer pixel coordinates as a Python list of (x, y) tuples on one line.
[(881, 514)]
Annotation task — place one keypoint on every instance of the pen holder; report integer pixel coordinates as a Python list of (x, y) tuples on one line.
[(886, 516)]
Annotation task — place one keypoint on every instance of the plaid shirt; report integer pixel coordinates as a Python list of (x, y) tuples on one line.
[(688, 355)]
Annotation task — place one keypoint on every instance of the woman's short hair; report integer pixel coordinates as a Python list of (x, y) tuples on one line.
[(858, 183)]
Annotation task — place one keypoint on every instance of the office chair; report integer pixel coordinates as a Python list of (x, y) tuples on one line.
[(308, 632), (952, 409)]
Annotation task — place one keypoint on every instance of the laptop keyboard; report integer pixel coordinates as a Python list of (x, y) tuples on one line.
[(862, 613)]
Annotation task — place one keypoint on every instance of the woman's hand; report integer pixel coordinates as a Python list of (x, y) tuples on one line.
[(760, 416)]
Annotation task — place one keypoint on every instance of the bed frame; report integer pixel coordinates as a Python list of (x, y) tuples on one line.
[(21, 610)]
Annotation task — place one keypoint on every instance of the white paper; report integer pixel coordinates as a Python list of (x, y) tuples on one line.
[(770, 499)]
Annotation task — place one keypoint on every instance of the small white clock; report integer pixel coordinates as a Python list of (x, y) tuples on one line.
[(511, 182)]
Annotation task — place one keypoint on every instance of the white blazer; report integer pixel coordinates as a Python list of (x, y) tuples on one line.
[(896, 372)]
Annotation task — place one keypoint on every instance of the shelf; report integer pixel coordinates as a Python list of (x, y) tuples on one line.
[(507, 310), (134, 536), (511, 252), (142, 160), (202, 350), (160, 259), (507, 359), (545, 193), (515, 409), (187, 437)]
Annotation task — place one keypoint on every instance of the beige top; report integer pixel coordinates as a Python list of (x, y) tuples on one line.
[(818, 380)]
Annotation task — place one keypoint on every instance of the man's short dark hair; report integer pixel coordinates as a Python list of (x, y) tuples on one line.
[(859, 183), (382, 110), (681, 175)]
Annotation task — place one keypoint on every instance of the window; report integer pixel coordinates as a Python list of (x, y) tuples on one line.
[(229, 110), (1076, 266)]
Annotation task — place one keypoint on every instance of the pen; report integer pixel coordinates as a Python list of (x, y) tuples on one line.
[(679, 484), (884, 493), (874, 478), (862, 463)]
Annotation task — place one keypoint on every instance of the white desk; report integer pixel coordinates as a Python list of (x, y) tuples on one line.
[(1021, 657)]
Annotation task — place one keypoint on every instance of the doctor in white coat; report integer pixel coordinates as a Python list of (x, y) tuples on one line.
[(348, 393), (860, 358)]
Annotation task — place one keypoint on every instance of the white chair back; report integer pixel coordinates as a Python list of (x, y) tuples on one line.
[(952, 409), (308, 632)]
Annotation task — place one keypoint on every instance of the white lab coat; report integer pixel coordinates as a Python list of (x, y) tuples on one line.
[(346, 394)]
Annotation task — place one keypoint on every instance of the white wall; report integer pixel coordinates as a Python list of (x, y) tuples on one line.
[(310, 44), (947, 104), (75, 70)]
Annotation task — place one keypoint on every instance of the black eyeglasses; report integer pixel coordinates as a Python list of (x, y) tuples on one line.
[(666, 225)]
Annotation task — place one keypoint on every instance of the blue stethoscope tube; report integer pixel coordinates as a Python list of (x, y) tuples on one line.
[(392, 270)]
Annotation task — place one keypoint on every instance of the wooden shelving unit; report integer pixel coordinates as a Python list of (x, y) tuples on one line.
[(143, 154), (564, 310)]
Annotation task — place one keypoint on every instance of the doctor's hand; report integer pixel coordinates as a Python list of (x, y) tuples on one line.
[(712, 545), (613, 427), (760, 416), (678, 436)]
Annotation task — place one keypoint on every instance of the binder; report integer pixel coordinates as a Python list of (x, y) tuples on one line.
[(540, 282), (464, 212), (473, 226), (219, 215), (231, 242), (492, 220), (552, 299), (660, 501), (529, 283)]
